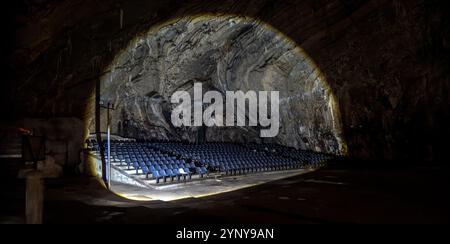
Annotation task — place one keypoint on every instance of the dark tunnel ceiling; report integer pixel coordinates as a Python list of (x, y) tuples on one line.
[(385, 60)]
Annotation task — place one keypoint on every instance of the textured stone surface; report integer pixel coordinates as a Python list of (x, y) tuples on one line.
[(225, 53), (386, 61)]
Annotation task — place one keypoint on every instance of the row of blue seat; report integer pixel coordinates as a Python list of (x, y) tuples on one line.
[(161, 173), (179, 160), (231, 158), (154, 163)]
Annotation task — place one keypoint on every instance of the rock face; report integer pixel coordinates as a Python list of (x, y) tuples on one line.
[(224, 53)]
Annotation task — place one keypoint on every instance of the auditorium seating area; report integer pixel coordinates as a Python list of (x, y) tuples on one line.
[(175, 162), (311, 158)]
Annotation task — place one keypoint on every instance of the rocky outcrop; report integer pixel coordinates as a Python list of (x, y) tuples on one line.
[(224, 53)]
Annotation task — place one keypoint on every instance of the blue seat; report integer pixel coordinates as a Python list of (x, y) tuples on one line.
[(146, 171), (128, 162), (157, 176), (171, 174), (136, 166), (177, 173), (163, 175), (201, 171)]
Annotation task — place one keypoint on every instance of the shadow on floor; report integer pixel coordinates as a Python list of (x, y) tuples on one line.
[(336, 194)]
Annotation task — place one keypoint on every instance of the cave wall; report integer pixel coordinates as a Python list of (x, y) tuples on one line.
[(386, 61), (224, 53), (64, 138)]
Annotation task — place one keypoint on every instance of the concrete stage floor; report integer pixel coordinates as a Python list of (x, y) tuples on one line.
[(201, 188), (337, 194)]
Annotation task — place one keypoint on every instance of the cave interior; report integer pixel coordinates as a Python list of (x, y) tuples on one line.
[(364, 83)]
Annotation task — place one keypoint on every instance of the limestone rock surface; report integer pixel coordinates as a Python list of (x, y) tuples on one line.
[(225, 53)]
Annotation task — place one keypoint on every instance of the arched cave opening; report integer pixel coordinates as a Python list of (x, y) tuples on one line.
[(365, 80)]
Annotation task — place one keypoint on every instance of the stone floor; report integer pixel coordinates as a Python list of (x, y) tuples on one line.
[(201, 188), (336, 194)]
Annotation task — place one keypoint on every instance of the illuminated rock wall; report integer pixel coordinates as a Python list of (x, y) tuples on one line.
[(225, 54)]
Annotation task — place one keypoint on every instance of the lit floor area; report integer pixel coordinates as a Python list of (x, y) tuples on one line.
[(201, 187)]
